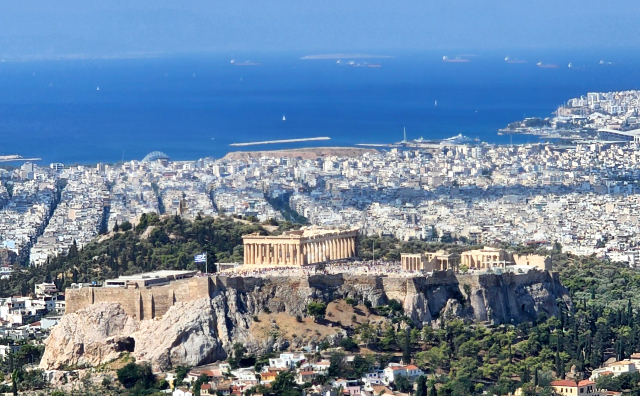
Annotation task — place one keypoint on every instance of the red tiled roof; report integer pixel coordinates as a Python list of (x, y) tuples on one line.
[(205, 386), (412, 367), (564, 383), (586, 382)]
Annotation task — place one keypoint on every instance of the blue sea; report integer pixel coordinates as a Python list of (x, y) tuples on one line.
[(194, 106)]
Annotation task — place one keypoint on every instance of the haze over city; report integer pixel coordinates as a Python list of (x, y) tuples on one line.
[(117, 28)]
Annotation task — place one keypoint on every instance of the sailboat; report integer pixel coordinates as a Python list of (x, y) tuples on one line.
[(436, 103), (283, 118), (97, 88)]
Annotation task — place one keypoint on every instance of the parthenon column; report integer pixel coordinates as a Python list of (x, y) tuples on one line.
[(325, 250), (332, 249), (343, 250)]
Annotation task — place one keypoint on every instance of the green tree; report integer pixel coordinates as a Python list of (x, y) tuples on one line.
[(285, 385), (403, 384), (421, 386), (406, 346), (432, 390), (125, 226), (317, 310), (133, 374), (181, 374)]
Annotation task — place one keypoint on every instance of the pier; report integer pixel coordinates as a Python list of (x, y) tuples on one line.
[(16, 158), (280, 141)]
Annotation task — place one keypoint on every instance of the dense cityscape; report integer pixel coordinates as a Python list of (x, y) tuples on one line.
[(584, 197)]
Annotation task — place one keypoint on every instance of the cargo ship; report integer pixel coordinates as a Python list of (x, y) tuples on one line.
[(546, 65), (457, 59), (509, 60), (245, 63)]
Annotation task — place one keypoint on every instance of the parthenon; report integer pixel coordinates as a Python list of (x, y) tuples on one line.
[(304, 246)]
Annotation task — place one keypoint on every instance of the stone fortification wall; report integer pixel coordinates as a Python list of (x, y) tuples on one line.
[(145, 303)]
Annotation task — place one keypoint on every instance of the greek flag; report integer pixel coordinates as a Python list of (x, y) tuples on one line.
[(201, 258)]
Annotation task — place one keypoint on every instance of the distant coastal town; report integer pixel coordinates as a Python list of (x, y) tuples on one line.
[(598, 115)]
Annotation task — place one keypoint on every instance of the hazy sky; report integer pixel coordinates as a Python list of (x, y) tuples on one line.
[(122, 26)]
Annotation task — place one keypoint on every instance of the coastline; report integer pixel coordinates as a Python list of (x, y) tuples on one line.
[(304, 153)]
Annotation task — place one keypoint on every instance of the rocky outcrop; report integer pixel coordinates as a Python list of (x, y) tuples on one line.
[(89, 337), (205, 329)]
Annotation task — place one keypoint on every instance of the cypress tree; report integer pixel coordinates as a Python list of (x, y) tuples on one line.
[(406, 347), (421, 387), (14, 383)]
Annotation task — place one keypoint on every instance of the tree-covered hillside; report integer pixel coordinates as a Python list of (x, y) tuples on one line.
[(155, 243)]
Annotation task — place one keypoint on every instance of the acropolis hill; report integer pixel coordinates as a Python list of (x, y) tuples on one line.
[(166, 323)]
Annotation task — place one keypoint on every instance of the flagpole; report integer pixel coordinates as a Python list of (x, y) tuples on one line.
[(206, 263)]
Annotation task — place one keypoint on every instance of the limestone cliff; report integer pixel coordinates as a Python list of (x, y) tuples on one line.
[(204, 329)]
